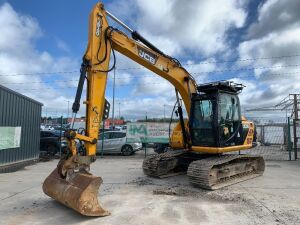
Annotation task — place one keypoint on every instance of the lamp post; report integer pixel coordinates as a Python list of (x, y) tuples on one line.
[(68, 109), (164, 112), (113, 106), (119, 111), (46, 116)]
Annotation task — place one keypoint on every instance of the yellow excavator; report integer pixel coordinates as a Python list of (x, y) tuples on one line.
[(200, 144)]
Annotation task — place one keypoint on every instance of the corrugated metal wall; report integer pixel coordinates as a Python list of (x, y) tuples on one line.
[(17, 110)]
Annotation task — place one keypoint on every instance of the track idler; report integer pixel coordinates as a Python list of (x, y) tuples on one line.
[(78, 190)]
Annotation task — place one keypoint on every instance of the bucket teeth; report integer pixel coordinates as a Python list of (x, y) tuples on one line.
[(78, 191)]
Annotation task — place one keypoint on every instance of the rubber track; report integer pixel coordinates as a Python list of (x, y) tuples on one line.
[(161, 164), (199, 171)]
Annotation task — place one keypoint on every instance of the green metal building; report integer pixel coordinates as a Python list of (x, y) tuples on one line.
[(20, 118)]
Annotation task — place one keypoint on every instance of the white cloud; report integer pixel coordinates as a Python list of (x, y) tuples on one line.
[(283, 43), (177, 26), (17, 31), (275, 16), (139, 107), (124, 10), (276, 33), (62, 45), (201, 69), (18, 55), (197, 28), (153, 86), (124, 79)]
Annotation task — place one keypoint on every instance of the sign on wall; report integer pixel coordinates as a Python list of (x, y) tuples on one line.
[(148, 132), (10, 137)]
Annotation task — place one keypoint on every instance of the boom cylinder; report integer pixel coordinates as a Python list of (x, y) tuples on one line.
[(83, 70)]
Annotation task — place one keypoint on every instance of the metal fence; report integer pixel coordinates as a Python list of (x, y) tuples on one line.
[(275, 139)]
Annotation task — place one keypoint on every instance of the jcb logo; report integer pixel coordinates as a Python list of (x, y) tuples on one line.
[(98, 26), (148, 56)]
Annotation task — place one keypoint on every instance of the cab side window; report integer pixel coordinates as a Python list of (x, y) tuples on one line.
[(229, 108)]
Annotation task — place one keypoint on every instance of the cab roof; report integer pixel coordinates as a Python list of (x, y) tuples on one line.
[(228, 86)]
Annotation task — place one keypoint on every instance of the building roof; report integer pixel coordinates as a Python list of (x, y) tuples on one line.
[(20, 95)]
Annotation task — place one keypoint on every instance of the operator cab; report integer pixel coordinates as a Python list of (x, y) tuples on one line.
[(216, 115)]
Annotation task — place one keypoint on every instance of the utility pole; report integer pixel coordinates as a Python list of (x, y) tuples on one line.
[(119, 111), (113, 106), (295, 121), (68, 110), (145, 138), (46, 116), (164, 112)]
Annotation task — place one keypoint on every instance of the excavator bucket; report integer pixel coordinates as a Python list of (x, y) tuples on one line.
[(78, 191)]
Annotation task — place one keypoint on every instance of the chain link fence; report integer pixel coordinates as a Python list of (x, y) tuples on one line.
[(275, 139)]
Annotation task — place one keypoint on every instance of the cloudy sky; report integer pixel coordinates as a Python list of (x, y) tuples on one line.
[(253, 42)]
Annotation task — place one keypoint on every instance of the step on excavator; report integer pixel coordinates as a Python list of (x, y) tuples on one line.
[(204, 145)]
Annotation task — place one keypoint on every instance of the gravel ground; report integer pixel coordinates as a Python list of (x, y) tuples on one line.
[(133, 198)]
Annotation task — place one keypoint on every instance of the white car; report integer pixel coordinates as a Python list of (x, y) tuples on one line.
[(46, 128), (115, 142)]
